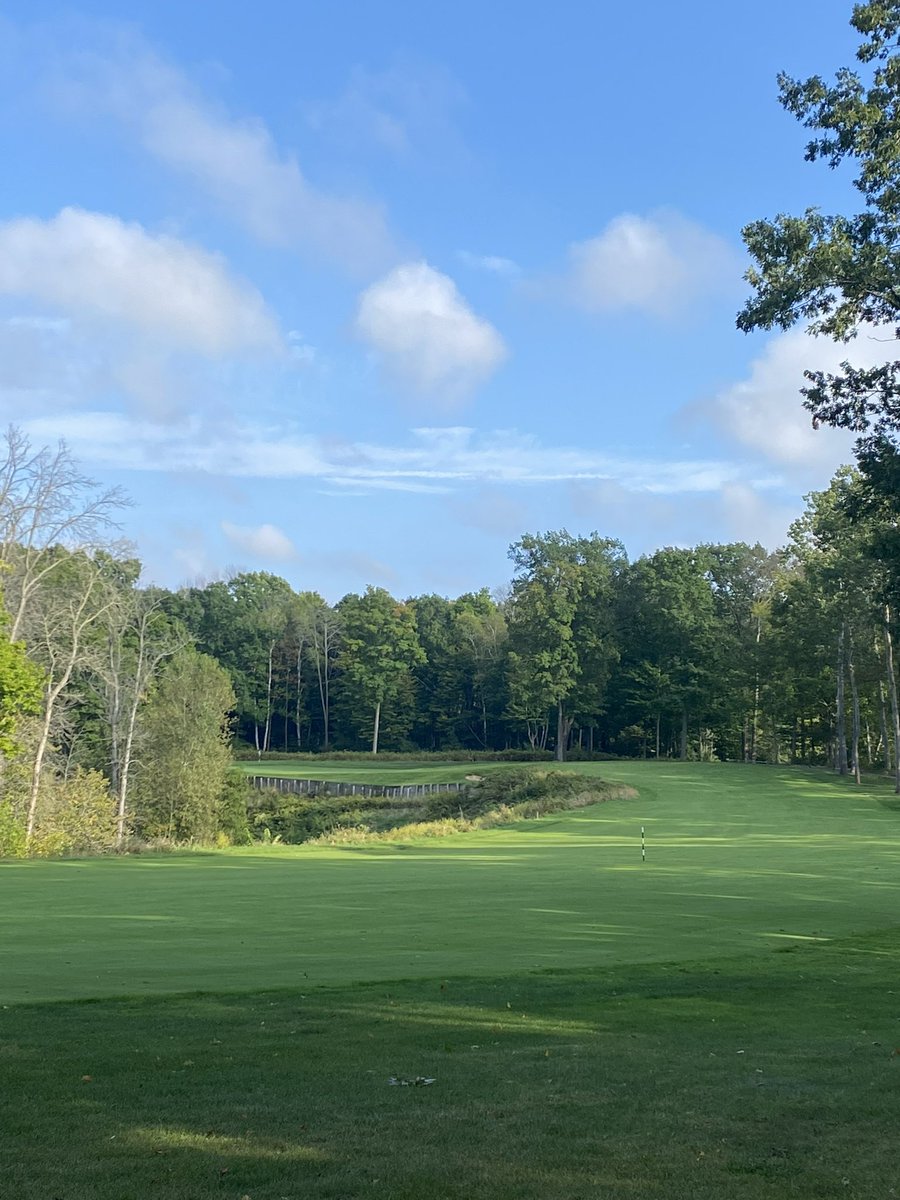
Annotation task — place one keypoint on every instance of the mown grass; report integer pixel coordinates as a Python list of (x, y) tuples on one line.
[(373, 771), (719, 1021), (756, 1077)]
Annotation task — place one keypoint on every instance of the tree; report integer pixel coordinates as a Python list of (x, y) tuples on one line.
[(70, 599), (669, 637), (140, 637), (380, 648), (20, 688), (46, 504), (840, 273), (185, 750), (560, 628)]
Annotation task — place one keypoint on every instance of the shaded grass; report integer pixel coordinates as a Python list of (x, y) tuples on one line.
[(752, 1078)]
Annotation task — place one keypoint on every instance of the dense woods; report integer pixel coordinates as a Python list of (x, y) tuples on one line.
[(120, 702)]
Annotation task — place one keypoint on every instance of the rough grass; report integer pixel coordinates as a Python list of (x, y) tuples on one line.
[(721, 1021), (495, 798), (485, 806)]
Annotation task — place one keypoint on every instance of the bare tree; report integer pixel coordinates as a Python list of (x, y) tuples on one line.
[(46, 503), (139, 639), (325, 641), (73, 599)]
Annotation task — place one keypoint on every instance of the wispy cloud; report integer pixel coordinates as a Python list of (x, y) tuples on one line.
[(234, 160), (494, 264), (407, 111), (426, 335), (265, 542), (434, 459)]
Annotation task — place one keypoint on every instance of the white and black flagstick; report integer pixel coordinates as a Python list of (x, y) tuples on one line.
[(643, 848)]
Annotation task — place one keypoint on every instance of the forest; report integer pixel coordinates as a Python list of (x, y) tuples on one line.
[(122, 704)]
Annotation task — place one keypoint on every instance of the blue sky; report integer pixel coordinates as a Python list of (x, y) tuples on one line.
[(358, 293)]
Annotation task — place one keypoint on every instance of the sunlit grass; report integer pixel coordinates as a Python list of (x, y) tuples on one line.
[(719, 1021)]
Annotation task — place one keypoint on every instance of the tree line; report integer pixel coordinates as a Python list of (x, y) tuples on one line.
[(120, 702)]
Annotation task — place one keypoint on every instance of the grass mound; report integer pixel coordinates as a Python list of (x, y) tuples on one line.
[(503, 795)]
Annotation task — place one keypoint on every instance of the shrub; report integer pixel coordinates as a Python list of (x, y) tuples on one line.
[(12, 833), (237, 795), (75, 815)]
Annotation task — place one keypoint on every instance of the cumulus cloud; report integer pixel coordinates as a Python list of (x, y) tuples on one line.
[(426, 335), (89, 264), (235, 161), (656, 265), (262, 541), (765, 412)]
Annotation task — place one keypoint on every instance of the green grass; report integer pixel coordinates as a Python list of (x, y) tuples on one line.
[(375, 772), (718, 1022)]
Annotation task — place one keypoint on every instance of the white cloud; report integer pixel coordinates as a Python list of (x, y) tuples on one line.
[(657, 265), (753, 517), (426, 334), (89, 264), (406, 111), (494, 264), (491, 511), (235, 161), (434, 459), (731, 511), (263, 541), (765, 412)]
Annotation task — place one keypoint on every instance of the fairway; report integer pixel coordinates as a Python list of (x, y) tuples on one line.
[(720, 1021), (740, 859)]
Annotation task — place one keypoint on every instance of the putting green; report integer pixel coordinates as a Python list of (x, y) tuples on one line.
[(739, 859)]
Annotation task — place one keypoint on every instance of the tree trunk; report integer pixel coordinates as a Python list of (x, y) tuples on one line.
[(684, 733), (562, 732), (51, 695), (657, 735), (854, 699), (755, 721), (122, 794), (376, 727), (882, 721), (840, 729), (268, 728), (892, 692)]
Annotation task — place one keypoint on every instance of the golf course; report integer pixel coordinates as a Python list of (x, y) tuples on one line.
[(719, 1018)]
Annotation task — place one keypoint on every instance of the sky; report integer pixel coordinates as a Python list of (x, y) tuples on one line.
[(360, 293)]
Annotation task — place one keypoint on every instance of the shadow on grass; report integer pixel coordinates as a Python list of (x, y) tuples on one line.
[(707, 1080)]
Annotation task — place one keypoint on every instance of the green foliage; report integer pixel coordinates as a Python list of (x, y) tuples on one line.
[(235, 800), (185, 752), (12, 832), (839, 273), (380, 649), (21, 685), (75, 815)]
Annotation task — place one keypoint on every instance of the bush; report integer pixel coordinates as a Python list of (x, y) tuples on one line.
[(12, 833), (237, 796), (74, 815)]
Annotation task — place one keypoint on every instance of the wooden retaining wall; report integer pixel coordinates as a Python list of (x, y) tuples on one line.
[(332, 787)]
